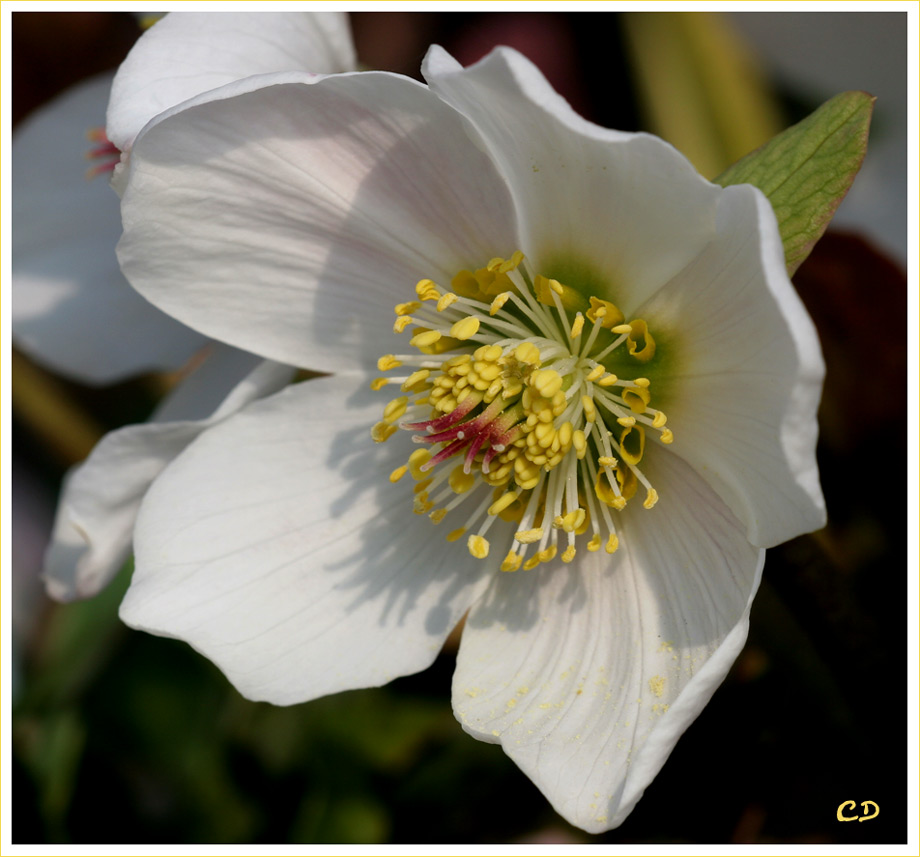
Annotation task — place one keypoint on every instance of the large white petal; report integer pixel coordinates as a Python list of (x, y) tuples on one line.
[(746, 374), (187, 53), (73, 311), (277, 546), (288, 219), (613, 212), (588, 674), (95, 519)]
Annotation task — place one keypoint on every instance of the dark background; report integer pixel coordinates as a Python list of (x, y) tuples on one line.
[(123, 737)]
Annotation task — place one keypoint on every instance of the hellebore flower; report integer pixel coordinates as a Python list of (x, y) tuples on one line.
[(606, 404), (73, 310)]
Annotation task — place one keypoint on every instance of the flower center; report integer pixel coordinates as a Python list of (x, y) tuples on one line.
[(515, 413)]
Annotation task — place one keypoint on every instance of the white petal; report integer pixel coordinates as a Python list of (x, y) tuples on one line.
[(747, 374), (588, 674), (290, 219), (187, 53), (73, 311), (277, 547), (616, 213), (95, 519)]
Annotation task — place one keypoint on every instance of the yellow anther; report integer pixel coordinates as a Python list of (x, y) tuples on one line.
[(580, 442), (626, 422), (596, 372), (421, 505), (590, 411), (512, 562), (478, 546), (622, 328), (607, 461), (422, 486), (565, 435), (608, 313), (401, 323), (667, 436), (578, 325), (388, 361), (641, 382), (427, 290), (498, 302), (608, 380), (548, 554), (502, 503), (459, 481), (573, 520), (650, 499), (383, 431), (466, 328), (453, 535), (527, 352), (379, 383), (416, 460), (533, 562), (659, 420), (640, 341), (569, 554), (446, 300), (395, 409), (488, 353), (619, 503), (595, 543), (528, 537), (398, 473), (547, 382), (438, 515), (425, 338), (612, 543), (407, 308), (417, 377)]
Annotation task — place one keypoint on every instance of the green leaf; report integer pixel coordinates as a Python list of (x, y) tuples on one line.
[(807, 170)]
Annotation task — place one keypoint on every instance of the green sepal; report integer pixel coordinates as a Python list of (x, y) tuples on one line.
[(807, 170)]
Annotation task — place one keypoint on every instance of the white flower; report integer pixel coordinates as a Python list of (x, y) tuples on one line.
[(287, 215), (73, 310)]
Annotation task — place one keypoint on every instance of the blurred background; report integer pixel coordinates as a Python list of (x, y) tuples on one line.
[(123, 737)]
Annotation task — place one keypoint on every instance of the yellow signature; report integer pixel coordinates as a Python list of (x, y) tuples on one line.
[(852, 805)]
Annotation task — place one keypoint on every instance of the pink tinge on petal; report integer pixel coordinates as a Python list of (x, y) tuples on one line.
[(105, 152)]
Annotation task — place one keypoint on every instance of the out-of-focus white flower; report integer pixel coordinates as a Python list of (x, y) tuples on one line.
[(536, 256), (72, 308)]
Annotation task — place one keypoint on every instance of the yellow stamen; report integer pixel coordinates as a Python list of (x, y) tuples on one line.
[(528, 537), (383, 431), (512, 561), (466, 328), (398, 473), (401, 323), (387, 362), (446, 300), (498, 302), (427, 290), (425, 338), (478, 547)]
